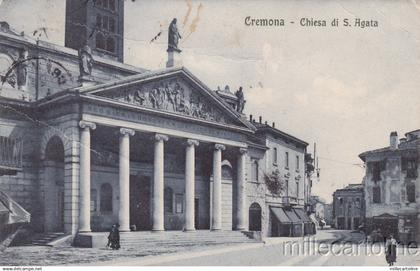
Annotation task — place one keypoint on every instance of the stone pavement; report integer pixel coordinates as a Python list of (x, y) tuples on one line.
[(66, 255)]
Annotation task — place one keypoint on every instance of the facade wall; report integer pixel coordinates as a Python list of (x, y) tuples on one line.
[(23, 187), (292, 172), (255, 189), (174, 220), (66, 128), (51, 68), (394, 210), (349, 211), (292, 175)]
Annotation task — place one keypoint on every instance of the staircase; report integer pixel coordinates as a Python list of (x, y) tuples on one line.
[(44, 239), (175, 239)]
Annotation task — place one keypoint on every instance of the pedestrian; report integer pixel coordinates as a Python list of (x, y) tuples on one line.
[(114, 237), (391, 250)]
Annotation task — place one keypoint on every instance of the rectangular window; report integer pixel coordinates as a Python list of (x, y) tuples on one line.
[(105, 23), (410, 166), (254, 171), (411, 192), (112, 25), (376, 194), (179, 203), (287, 160), (275, 156), (297, 189), (112, 5), (297, 162), (376, 169)]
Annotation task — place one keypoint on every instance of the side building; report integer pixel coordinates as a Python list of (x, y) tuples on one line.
[(278, 175), (392, 188), (349, 207)]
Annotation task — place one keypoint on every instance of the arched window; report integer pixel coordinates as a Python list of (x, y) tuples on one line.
[(341, 201), (106, 198), (168, 200), (226, 172), (255, 217), (110, 45), (54, 150), (100, 41)]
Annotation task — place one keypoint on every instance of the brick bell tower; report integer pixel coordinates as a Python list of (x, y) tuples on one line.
[(97, 23)]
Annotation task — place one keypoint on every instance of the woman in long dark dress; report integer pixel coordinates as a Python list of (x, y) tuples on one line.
[(391, 250), (114, 237)]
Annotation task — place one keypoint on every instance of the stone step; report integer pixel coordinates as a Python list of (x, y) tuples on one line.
[(44, 239), (184, 239), (185, 242), (149, 240)]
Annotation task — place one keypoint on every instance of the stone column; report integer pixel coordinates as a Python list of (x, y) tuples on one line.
[(158, 183), (190, 184), (84, 204), (217, 187), (124, 179), (241, 197)]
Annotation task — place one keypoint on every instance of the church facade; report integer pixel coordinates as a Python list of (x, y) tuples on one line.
[(88, 141)]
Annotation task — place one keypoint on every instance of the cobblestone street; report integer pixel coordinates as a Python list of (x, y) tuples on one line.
[(181, 255), (42, 255)]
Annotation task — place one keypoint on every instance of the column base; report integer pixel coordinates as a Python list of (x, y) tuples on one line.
[(158, 230), (240, 229), (215, 229), (84, 231), (189, 230)]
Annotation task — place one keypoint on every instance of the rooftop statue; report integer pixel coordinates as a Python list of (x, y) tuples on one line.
[(240, 104), (173, 37), (85, 61)]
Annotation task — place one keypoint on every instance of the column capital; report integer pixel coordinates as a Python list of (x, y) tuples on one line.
[(126, 131), (86, 124), (243, 150), (161, 137), (220, 147), (192, 142)]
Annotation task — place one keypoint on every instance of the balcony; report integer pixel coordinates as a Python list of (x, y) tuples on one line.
[(10, 155)]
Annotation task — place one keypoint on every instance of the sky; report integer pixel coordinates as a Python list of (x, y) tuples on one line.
[(345, 88)]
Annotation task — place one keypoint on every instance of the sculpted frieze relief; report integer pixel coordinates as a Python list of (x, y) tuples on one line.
[(173, 96), (153, 119)]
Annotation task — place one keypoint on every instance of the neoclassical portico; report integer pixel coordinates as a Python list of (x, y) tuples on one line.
[(158, 180), (176, 109)]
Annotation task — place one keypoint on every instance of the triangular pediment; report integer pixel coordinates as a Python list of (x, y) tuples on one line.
[(176, 92)]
